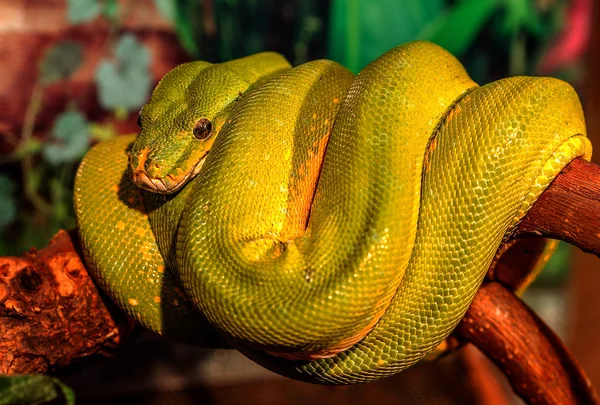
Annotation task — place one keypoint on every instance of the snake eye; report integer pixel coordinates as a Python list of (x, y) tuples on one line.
[(203, 128), (139, 119)]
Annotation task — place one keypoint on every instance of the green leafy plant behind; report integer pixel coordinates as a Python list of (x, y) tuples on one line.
[(456, 29), (45, 190), (70, 139), (81, 11), (187, 17), (166, 8), (124, 83), (362, 30), (30, 215), (34, 390), (60, 62)]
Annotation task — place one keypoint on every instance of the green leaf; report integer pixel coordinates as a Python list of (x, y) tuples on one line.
[(71, 138), (34, 390), (125, 81), (8, 205), (80, 11), (110, 10), (456, 29), (60, 61), (187, 18), (521, 14), (362, 30), (166, 8)]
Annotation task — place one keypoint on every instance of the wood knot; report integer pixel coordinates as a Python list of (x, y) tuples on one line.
[(29, 280)]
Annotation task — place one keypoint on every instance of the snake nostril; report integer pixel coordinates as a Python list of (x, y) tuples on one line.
[(153, 169)]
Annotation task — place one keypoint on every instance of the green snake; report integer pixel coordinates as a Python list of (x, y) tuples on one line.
[(333, 228)]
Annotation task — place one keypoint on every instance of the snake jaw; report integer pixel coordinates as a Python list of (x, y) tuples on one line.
[(165, 185), (142, 180)]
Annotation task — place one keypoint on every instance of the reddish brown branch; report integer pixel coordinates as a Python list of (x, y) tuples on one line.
[(51, 312), (538, 366), (569, 209)]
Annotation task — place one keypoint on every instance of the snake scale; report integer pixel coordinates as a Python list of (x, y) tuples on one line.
[(333, 228)]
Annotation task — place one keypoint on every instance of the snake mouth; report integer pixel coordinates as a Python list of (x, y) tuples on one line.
[(163, 185)]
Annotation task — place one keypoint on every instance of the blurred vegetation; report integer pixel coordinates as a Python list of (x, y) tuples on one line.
[(29, 216), (493, 38), (34, 390)]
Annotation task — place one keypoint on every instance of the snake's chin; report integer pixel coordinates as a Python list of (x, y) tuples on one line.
[(165, 185)]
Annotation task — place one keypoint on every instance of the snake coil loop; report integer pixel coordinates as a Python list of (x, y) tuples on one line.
[(333, 228)]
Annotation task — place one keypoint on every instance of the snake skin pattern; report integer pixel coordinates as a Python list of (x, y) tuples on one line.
[(333, 228)]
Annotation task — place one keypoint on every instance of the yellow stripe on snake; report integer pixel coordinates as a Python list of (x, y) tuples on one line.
[(333, 228)]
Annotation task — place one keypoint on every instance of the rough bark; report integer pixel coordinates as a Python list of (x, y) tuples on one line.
[(569, 209), (51, 313), (538, 366)]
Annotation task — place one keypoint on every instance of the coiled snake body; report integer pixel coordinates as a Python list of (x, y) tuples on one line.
[(333, 228)]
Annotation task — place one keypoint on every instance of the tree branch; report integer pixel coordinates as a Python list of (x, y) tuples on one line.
[(569, 209), (51, 313), (538, 366)]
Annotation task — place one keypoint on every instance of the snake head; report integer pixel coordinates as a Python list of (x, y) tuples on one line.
[(185, 114)]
